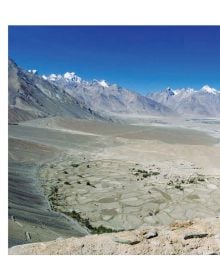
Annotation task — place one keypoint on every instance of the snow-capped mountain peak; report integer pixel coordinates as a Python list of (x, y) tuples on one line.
[(71, 76), (208, 89), (33, 71), (187, 91), (103, 83), (190, 102), (44, 77), (170, 91), (71, 79), (68, 77), (52, 77)]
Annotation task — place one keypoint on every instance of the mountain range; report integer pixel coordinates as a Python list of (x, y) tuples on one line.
[(30, 97), (190, 102), (105, 98), (34, 96)]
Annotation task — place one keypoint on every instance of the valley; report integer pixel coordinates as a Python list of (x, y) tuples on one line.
[(71, 177), (89, 160)]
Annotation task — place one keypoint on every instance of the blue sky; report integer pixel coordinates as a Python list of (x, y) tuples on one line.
[(140, 58)]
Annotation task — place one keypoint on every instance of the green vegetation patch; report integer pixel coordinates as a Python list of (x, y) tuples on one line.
[(145, 173), (86, 223)]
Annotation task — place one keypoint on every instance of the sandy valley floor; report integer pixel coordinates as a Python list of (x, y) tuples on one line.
[(70, 177)]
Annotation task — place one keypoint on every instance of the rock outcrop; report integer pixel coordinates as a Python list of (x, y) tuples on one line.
[(199, 236)]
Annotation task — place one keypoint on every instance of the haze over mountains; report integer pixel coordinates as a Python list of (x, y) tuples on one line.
[(188, 101), (103, 97), (33, 96)]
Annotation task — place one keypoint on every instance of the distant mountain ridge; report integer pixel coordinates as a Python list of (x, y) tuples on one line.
[(190, 102), (107, 98), (33, 96)]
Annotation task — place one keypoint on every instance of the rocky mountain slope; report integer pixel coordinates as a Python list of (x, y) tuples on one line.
[(30, 97), (104, 97), (191, 237), (187, 101), (33, 96)]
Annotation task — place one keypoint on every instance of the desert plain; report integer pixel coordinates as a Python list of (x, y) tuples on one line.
[(87, 179)]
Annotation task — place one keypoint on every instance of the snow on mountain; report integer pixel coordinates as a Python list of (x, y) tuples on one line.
[(68, 76), (208, 89), (111, 98), (44, 77), (53, 77), (104, 97), (170, 91), (34, 71), (71, 76), (103, 83), (32, 96), (188, 101), (186, 91)]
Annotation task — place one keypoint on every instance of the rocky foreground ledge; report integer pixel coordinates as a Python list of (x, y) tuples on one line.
[(199, 236)]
